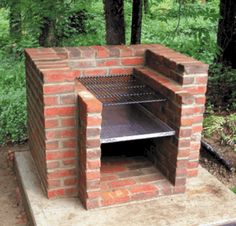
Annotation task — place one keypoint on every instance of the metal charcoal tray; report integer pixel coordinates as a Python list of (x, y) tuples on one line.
[(120, 89), (131, 122), (123, 117)]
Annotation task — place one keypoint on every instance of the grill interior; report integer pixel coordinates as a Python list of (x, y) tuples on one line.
[(120, 89), (124, 118)]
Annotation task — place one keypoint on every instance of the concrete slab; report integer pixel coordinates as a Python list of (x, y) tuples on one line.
[(206, 202)]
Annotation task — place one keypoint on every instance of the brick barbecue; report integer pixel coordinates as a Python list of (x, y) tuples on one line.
[(74, 134)]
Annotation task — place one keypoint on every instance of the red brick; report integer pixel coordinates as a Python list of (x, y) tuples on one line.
[(197, 90), (95, 72), (93, 106), (120, 71), (50, 100), (91, 204), (69, 143), (52, 145), (200, 100), (201, 79), (121, 183), (108, 177), (132, 61), (94, 184), (60, 155), (179, 189), (92, 132), (197, 118), (54, 183), (91, 175), (94, 120), (197, 128), (67, 99), (73, 192), (91, 154), (68, 122), (180, 172), (180, 181), (82, 63), (58, 89), (112, 169), (108, 63), (101, 52), (143, 188), (69, 162), (181, 163), (93, 143), (144, 195), (68, 133), (185, 132), (192, 173), (184, 143), (192, 165), (51, 123), (95, 164), (93, 194), (59, 111), (53, 165), (55, 193), (183, 153), (198, 109), (186, 121), (70, 181), (61, 173), (59, 76)]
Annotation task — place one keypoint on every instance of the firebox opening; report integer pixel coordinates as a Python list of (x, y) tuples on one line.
[(127, 171)]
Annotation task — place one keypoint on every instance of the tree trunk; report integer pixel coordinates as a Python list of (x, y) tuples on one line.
[(15, 19), (146, 6), (115, 22), (136, 22), (47, 37), (226, 37)]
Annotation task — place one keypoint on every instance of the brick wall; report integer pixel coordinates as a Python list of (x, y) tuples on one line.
[(52, 98)]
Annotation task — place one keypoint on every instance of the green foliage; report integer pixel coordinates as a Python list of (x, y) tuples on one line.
[(12, 101), (189, 28), (222, 87), (233, 190), (221, 126)]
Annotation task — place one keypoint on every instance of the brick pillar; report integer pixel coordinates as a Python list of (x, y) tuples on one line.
[(89, 127)]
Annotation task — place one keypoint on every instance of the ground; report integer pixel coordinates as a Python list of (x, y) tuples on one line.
[(12, 212)]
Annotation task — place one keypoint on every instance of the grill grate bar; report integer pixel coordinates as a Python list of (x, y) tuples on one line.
[(120, 89)]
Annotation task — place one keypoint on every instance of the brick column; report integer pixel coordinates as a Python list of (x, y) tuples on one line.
[(89, 127)]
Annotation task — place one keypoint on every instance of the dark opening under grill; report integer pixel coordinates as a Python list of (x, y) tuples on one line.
[(120, 89), (124, 117)]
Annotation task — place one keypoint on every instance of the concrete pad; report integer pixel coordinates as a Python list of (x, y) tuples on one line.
[(206, 202)]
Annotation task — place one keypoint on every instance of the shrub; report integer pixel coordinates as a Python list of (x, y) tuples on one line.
[(12, 100)]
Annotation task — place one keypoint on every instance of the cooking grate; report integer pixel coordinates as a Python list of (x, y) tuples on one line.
[(120, 89)]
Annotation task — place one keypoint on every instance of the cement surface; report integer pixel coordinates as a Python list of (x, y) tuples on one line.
[(206, 202)]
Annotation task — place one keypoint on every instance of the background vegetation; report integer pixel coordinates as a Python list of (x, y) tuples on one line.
[(189, 27)]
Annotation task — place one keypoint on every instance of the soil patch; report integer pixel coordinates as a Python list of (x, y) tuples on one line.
[(210, 163), (11, 212)]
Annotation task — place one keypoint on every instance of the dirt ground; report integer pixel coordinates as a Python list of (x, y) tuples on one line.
[(11, 208)]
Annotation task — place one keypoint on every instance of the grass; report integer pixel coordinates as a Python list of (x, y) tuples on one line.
[(233, 190)]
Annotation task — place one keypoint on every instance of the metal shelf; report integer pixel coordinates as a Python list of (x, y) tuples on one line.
[(131, 122)]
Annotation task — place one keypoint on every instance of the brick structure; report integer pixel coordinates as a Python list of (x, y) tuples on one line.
[(64, 121)]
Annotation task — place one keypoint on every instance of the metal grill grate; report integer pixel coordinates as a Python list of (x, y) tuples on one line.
[(120, 89)]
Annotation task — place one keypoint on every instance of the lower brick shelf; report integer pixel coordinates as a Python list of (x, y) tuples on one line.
[(125, 179)]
